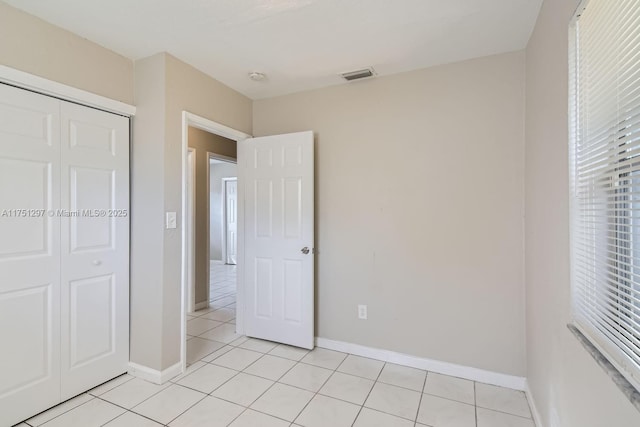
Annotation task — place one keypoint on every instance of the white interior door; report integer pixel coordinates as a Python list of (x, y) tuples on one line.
[(95, 247), (231, 220), (277, 178), (29, 254)]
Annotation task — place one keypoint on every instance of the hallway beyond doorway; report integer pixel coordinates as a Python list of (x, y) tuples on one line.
[(222, 285)]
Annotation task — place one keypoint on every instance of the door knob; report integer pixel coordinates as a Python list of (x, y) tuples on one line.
[(97, 262), (305, 250)]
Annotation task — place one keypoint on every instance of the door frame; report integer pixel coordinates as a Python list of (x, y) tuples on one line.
[(193, 120), (225, 223), (190, 214), (226, 159)]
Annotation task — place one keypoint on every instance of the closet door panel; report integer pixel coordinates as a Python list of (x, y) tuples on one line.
[(29, 254), (95, 247)]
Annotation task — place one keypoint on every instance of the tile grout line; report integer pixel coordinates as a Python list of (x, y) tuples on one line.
[(274, 383), (424, 385), (475, 403), (263, 393), (332, 397), (319, 388), (262, 355), (183, 412), (62, 413), (384, 364), (357, 376)]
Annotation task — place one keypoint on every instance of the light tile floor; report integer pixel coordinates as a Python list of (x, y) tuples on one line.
[(255, 383), (237, 381), (222, 284)]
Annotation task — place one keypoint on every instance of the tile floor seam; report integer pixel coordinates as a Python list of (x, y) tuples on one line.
[(131, 412), (62, 413), (475, 403), (119, 415), (183, 412), (314, 393), (424, 385), (369, 393), (212, 391), (254, 401), (127, 409), (271, 415), (452, 400), (281, 376), (503, 412), (402, 387), (239, 415), (141, 402)]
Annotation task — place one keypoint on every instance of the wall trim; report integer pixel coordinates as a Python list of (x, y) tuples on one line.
[(460, 371), (153, 375), (532, 405), (201, 305), (44, 86)]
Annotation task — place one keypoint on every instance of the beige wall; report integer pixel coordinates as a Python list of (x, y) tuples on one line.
[(147, 217), (419, 209), (204, 143), (168, 87), (569, 389), (30, 44)]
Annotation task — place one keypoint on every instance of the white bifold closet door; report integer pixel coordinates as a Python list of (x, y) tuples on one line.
[(95, 247), (64, 250)]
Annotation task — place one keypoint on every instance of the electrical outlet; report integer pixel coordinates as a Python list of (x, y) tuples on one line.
[(362, 312)]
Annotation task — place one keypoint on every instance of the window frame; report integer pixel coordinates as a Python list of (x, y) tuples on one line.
[(621, 229)]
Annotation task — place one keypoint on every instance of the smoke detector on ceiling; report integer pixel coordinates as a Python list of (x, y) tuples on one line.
[(365, 73), (257, 76)]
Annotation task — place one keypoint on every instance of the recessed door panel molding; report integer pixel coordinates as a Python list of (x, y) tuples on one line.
[(263, 287), (29, 254), (25, 220), (291, 156), (89, 136), (92, 204), (293, 293), (29, 121), (263, 205), (278, 238), (92, 320), (28, 356), (292, 207), (263, 157)]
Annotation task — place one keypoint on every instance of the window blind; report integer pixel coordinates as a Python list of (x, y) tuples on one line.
[(605, 178)]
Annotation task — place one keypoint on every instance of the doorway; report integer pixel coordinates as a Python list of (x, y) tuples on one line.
[(211, 318), (211, 292), (223, 219), (275, 222), (230, 221)]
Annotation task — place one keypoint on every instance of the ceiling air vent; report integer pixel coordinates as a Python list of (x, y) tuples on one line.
[(358, 74)]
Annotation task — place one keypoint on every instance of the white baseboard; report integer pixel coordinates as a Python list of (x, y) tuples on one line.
[(532, 405), (460, 371), (201, 305), (153, 375)]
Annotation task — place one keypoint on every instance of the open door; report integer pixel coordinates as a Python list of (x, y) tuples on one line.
[(277, 179), (230, 220)]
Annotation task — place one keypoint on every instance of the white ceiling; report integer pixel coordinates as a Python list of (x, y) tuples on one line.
[(299, 44)]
